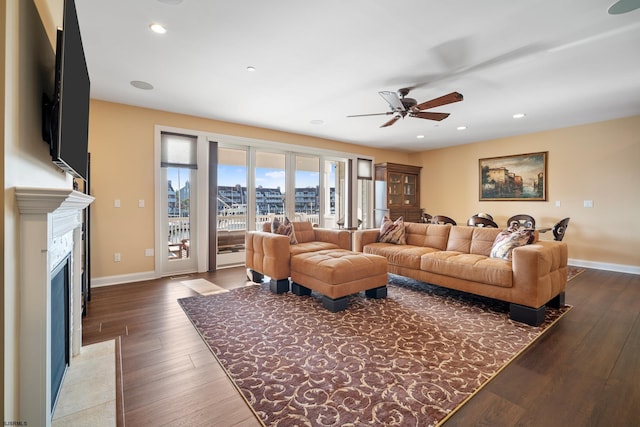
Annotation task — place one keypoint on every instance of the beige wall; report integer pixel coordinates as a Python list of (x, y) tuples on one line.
[(27, 73), (121, 143), (598, 162)]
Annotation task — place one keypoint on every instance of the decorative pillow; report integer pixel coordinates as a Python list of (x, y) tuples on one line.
[(510, 238), (515, 225), (392, 231), (285, 229)]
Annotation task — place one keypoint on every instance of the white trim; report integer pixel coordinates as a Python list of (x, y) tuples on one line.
[(620, 268), (50, 228), (97, 282), (201, 231), (199, 252)]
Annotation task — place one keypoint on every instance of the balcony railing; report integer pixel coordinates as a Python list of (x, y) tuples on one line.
[(179, 227), (239, 222)]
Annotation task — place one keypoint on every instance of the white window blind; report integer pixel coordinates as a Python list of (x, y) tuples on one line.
[(178, 150), (365, 169)]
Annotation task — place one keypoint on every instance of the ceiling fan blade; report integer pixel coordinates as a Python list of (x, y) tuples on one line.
[(390, 122), (443, 100), (373, 114), (393, 100), (430, 115), (623, 6)]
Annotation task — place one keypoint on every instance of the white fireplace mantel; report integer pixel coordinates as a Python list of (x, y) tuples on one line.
[(50, 229)]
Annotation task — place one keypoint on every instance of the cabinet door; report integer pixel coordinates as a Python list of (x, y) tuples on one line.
[(410, 190), (396, 189)]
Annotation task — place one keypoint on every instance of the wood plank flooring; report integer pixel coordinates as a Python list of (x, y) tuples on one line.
[(585, 371)]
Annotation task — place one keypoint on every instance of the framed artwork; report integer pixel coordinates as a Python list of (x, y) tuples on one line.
[(520, 177)]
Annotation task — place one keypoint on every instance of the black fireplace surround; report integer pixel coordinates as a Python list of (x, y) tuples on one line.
[(60, 289)]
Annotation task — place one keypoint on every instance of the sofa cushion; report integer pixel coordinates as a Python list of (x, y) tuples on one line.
[(392, 231), (460, 239), (286, 229), (402, 255), (472, 240), (305, 247), (304, 231), (472, 267), (482, 240), (429, 235)]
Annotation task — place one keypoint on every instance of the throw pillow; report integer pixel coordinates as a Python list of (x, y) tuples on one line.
[(392, 231), (509, 239), (285, 229)]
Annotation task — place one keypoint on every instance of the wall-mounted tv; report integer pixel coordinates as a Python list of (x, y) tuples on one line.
[(65, 117)]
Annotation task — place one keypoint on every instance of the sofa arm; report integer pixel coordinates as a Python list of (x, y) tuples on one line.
[(342, 238), (267, 253), (539, 271), (363, 237)]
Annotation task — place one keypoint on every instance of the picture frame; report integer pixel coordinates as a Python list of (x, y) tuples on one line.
[(521, 177)]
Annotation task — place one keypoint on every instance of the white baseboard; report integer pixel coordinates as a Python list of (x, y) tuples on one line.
[(123, 278), (620, 268)]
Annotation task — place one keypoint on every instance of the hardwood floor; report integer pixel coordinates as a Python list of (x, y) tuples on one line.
[(583, 372), (169, 375)]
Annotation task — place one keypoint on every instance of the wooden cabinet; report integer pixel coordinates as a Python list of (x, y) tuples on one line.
[(397, 192)]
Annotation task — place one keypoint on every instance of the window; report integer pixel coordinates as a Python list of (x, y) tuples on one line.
[(178, 162)]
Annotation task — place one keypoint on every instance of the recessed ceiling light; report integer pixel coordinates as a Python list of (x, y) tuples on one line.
[(519, 115), (317, 122), (157, 28), (251, 69), (461, 128), (141, 85), (420, 136)]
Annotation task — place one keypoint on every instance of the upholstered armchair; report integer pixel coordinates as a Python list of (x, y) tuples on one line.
[(269, 254)]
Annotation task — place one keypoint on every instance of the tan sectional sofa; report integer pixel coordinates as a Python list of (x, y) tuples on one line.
[(269, 254), (457, 257)]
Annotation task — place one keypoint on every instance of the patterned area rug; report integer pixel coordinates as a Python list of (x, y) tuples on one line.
[(572, 272), (408, 360)]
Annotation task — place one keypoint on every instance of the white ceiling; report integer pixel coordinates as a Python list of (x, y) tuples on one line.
[(562, 63)]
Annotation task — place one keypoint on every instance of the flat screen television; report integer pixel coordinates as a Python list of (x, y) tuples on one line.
[(65, 117)]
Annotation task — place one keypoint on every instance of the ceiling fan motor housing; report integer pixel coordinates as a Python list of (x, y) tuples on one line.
[(408, 103)]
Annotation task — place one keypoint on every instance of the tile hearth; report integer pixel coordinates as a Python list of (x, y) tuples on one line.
[(88, 394)]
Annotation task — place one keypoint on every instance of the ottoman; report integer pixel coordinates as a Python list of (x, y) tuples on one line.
[(338, 273)]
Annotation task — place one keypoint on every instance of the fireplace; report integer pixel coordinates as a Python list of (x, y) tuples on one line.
[(50, 315), (60, 315)]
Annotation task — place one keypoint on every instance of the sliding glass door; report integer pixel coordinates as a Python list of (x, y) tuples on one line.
[(247, 184), (179, 204), (270, 187), (334, 181), (307, 189), (232, 206)]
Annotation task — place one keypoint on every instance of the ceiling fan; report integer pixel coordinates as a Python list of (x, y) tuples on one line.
[(401, 106)]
